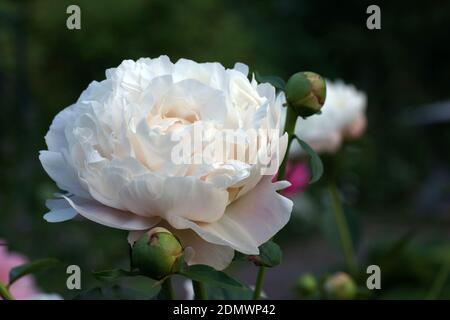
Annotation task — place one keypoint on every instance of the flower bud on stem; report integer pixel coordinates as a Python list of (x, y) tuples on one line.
[(306, 93), (305, 96), (155, 254)]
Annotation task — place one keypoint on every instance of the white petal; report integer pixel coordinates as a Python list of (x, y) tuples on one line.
[(241, 67), (248, 222), (110, 217), (216, 256), (61, 172), (60, 215), (193, 199), (55, 137)]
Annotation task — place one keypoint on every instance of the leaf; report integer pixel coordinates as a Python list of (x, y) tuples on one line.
[(315, 164), (215, 293), (118, 292), (276, 81), (210, 276), (269, 255), (113, 274), (32, 267)]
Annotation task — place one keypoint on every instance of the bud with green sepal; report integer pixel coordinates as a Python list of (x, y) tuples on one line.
[(306, 93), (157, 253), (340, 286)]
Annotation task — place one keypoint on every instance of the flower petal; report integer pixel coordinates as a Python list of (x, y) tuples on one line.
[(61, 172), (249, 221), (110, 217), (216, 256)]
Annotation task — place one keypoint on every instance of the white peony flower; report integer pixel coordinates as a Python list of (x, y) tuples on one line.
[(112, 152), (343, 116)]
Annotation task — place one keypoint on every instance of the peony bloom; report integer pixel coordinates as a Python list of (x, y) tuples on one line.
[(23, 288), (343, 117), (112, 152)]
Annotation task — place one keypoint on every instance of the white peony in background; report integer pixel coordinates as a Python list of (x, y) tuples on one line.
[(342, 117), (111, 153)]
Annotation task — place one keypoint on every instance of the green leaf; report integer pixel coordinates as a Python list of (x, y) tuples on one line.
[(210, 276), (117, 292), (315, 164), (113, 274), (269, 255), (277, 82), (32, 267), (215, 293)]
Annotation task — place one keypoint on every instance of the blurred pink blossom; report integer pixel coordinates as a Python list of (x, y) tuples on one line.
[(22, 289), (297, 173)]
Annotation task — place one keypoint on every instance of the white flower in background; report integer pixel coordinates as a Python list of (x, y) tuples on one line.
[(343, 116), (111, 151)]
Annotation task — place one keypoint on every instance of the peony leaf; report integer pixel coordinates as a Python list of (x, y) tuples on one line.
[(315, 164), (32, 267), (215, 293), (277, 82), (210, 276), (113, 274), (269, 255)]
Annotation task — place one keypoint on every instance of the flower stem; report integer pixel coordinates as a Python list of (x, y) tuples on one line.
[(4, 292), (199, 290), (259, 282), (289, 128), (343, 229), (440, 281), (167, 289)]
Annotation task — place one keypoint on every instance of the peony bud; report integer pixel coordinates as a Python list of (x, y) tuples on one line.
[(340, 286), (155, 254), (306, 286), (305, 93)]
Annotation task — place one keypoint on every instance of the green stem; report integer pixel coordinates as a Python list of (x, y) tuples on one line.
[(440, 281), (343, 229), (199, 290), (259, 282), (4, 292), (289, 127), (167, 289)]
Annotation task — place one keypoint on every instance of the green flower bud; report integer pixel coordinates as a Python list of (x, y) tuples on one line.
[(340, 286), (306, 93), (155, 254), (306, 286)]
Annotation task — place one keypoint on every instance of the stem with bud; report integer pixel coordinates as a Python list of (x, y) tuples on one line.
[(289, 128)]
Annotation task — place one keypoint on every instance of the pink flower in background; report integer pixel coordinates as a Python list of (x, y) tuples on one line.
[(297, 173), (22, 289)]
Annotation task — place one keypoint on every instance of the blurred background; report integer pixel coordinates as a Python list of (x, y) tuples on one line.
[(395, 180)]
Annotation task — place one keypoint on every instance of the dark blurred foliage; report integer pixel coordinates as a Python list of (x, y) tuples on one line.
[(386, 176)]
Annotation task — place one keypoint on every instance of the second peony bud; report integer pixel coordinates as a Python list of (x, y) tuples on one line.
[(306, 93), (156, 253)]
